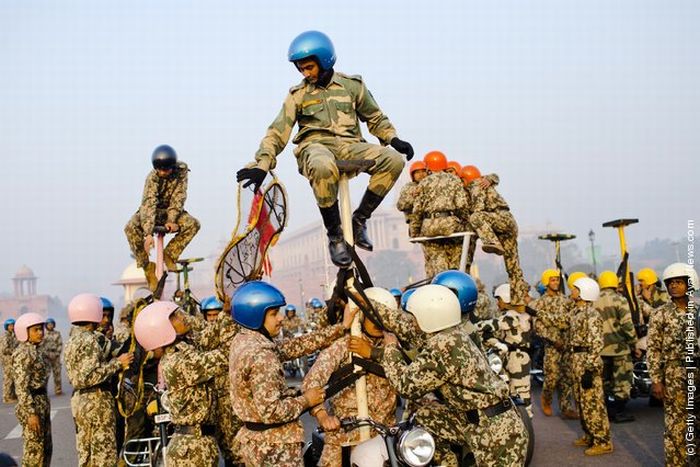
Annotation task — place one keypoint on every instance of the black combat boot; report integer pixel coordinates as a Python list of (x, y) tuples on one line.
[(370, 202), (337, 247), (620, 415)]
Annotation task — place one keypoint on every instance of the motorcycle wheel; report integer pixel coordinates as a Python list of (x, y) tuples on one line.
[(530, 434)]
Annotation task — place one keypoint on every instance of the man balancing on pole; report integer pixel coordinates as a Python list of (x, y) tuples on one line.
[(328, 105)]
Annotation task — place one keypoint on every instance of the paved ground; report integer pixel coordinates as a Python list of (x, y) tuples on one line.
[(636, 444)]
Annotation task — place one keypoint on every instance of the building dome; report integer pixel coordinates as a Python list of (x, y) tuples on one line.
[(132, 274), (25, 273)]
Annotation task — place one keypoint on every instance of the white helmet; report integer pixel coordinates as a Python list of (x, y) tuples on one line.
[(382, 296), (502, 292), (589, 288), (681, 270), (435, 307)]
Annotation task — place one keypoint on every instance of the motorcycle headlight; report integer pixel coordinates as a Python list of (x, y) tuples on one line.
[(165, 401), (416, 447), (495, 363)]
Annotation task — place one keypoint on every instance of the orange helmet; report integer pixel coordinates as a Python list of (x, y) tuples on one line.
[(417, 165), (454, 165), (469, 173), (435, 161)]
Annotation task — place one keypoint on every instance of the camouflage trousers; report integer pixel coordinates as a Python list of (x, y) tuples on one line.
[(441, 255), (8, 383), (54, 368), (316, 161), (189, 226), (517, 367), (677, 418), (496, 441), (37, 447), (96, 442), (227, 425), (617, 376), (557, 378), (500, 228), (594, 416), (271, 455), (192, 451)]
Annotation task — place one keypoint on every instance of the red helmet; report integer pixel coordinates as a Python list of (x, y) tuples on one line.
[(435, 161), (416, 166), (469, 173), (454, 165)]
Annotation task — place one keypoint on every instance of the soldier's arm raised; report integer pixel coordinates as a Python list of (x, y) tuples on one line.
[(414, 380), (198, 367), (328, 361), (277, 135), (309, 343), (85, 367)]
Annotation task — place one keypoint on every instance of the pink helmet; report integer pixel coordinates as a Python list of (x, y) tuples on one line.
[(85, 307), (153, 328), (25, 322)]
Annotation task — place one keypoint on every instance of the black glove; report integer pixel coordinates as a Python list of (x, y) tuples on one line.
[(403, 147), (587, 380), (254, 176)]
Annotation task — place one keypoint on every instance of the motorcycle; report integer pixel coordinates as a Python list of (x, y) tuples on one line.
[(641, 381), (150, 452)]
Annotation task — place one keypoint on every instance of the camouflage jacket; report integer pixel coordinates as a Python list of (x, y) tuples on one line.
[(52, 345), (485, 199), (188, 374), (29, 370), (163, 198), (618, 330), (381, 398), (84, 361), (658, 297), (292, 326), (8, 344), (451, 364), (259, 391), (439, 194), (218, 334), (553, 317), (403, 324), (318, 317), (485, 308), (666, 344), (334, 111), (512, 328), (406, 198), (587, 332)]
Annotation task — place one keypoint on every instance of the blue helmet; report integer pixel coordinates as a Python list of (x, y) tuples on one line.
[(541, 289), (106, 304), (316, 303), (211, 303), (462, 284), (405, 296), (252, 300), (50, 321), (8, 321), (313, 44), (395, 292), (290, 307)]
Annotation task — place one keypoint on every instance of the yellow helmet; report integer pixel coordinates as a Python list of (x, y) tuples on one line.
[(608, 279), (647, 276), (573, 277), (547, 275)]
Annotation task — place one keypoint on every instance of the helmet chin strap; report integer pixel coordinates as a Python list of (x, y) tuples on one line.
[(264, 332)]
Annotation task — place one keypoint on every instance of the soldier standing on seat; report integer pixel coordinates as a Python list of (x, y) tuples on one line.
[(8, 344), (52, 346), (328, 106), (163, 203)]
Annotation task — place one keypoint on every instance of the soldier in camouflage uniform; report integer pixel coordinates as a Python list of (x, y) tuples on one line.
[(272, 434), (318, 314), (474, 408), (552, 326), (33, 407), (163, 204), (292, 324), (52, 346), (328, 106), (650, 289), (586, 344), (619, 339), (672, 365), (496, 227), (92, 403), (8, 344), (439, 209), (485, 308), (418, 171)]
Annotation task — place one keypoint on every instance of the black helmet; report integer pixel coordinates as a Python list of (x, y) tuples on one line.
[(164, 158)]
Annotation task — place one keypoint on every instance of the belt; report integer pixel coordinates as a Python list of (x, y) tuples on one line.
[(499, 210), (106, 386), (433, 215), (38, 392), (579, 349), (255, 426), (498, 409), (201, 430)]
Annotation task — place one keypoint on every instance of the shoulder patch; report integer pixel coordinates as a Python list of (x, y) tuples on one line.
[(297, 87)]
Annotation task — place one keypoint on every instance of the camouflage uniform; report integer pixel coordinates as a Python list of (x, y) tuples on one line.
[(485, 308), (618, 338), (92, 403), (188, 374), (163, 201), (494, 224), (586, 345), (552, 325), (259, 395), (318, 317), (406, 197), (8, 344), (514, 329), (31, 379), (451, 364), (52, 345), (381, 398), (329, 130), (291, 326), (672, 366), (658, 297), (440, 208)]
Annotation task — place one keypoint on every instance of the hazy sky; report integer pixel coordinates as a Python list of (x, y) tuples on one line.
[(588, 111)]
